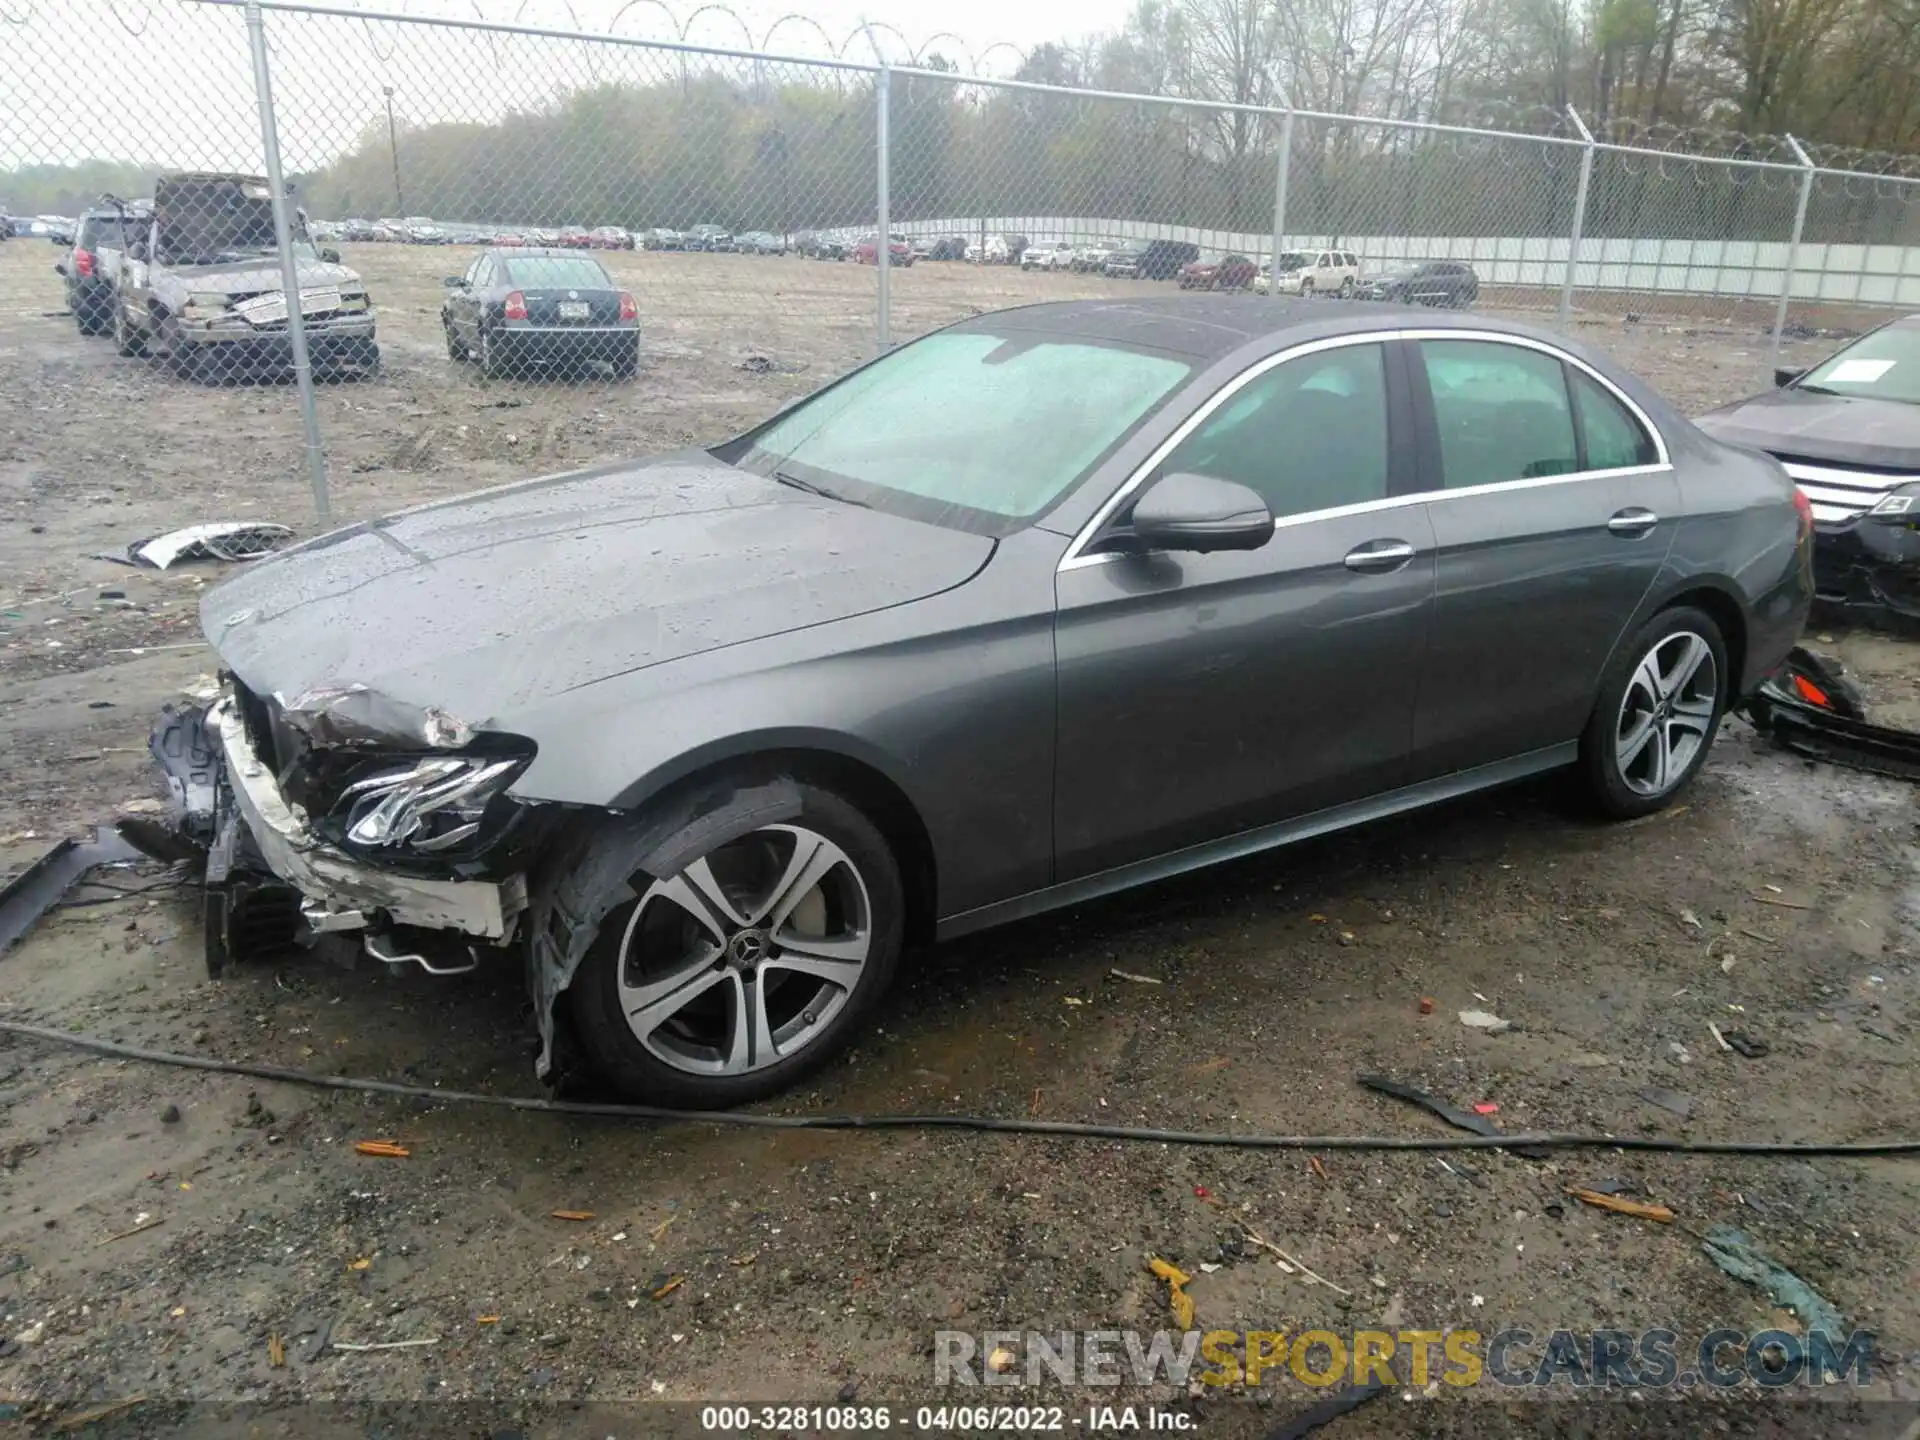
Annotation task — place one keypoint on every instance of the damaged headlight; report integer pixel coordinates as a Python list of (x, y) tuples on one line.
[(434, 804), (1898, 507)]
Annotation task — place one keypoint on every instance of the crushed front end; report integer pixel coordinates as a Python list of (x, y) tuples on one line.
[(342, 811), (1870, 562)]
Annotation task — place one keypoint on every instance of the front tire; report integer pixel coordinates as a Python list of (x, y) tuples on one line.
[(751, 967), (1658, 711), (126, 339), (1306, 289), (1346, 288)]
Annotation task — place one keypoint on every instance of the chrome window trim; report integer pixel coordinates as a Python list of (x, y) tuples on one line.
[(1075, 557)]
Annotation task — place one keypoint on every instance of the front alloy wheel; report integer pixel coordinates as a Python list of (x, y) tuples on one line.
[(1658, 710), (745, 957), (729, 979)]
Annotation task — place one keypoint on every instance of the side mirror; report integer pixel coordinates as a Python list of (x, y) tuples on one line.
[(454, 282), (332, 257), (1783, 377), (1183, 511)]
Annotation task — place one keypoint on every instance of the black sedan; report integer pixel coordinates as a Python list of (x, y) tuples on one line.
[(1048, 604), (1447, 283), (1848, 430), (519, 312)]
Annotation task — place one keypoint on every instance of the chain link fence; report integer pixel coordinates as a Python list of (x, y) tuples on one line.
[(511, 206)]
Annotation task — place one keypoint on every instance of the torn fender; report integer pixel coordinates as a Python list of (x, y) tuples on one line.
[(596, 875)]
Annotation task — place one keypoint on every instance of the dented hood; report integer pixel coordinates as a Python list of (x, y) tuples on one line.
[(481, 605)]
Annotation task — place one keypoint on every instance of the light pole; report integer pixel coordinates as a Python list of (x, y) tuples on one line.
[(393, 152)]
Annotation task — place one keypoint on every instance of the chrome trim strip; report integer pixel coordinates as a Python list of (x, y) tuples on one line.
[(1398, 502), (1876, 481), (1074, 558)]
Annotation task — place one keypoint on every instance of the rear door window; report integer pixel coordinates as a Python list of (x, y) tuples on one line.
[(1614, 439), (1502, 411)]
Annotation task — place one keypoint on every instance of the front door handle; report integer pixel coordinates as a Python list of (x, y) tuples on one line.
[(1378, 557), (1632, 522)]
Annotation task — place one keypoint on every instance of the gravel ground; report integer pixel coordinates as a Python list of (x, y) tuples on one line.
[(802, 1265)]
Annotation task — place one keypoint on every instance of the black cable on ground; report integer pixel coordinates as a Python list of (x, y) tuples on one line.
[(993, 1124)]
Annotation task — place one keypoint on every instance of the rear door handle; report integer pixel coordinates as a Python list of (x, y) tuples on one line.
[(1634, 521), (1377, 557)]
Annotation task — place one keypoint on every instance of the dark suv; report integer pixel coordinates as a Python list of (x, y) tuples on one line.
[(92, 264)]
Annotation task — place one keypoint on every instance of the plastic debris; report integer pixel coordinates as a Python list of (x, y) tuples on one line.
[(1734, 1253), (1746, 1045), (1426, 1004), (384, 1148), (1484, 1020), (573, 1215), (1458, 1118), (1325, 1412), (1486, 1107), (1634, 1208), (1136, 979), (276, 1351), (667, 1289), (1670, 1100), (1177, 1280), (231, 540)]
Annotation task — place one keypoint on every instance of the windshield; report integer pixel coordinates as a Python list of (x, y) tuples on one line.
[(547, 271), (1291, 260), (997, 425), (1884, 366)]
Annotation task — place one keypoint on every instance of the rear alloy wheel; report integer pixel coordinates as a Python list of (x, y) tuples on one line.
[(752, 965), (1346, 288), (1657, 714), (1306, 289)]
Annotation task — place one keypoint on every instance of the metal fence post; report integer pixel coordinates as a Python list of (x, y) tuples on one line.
[(883, 243), (1280, 200), (1579, 215), (289, 270), (1793, 250)]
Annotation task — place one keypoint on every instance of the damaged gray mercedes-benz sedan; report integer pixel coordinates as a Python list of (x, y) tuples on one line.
[(1050, 603)]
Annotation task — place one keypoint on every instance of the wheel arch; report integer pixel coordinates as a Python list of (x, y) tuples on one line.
[(854, 770), (1723, 606)]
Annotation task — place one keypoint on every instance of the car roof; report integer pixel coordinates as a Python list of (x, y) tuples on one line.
[(521, 252), (1207, 327)]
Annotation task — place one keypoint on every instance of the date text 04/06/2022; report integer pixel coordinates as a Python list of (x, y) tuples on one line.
[(960, 1419)]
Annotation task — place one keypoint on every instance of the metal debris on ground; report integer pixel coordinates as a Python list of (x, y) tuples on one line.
[(1136, 979), (1746, 1045), (1736, 1254), (1606, 1201), (40, 887), (1452, 1114), (1177, 1280), (388, 1344), (230, 540), (1807, 706), (1325, 1412)]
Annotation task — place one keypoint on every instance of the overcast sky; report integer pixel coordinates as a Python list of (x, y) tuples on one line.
[(169, 82)]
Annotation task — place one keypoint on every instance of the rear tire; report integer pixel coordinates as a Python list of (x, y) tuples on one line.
[(1346, 288), (1306, 289), (455, 349), (1659, 708), (492, 362), (126, 340), (628, 363), (720, 1021)]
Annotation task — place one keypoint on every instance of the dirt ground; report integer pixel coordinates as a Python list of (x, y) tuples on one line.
[(160, 1228)]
